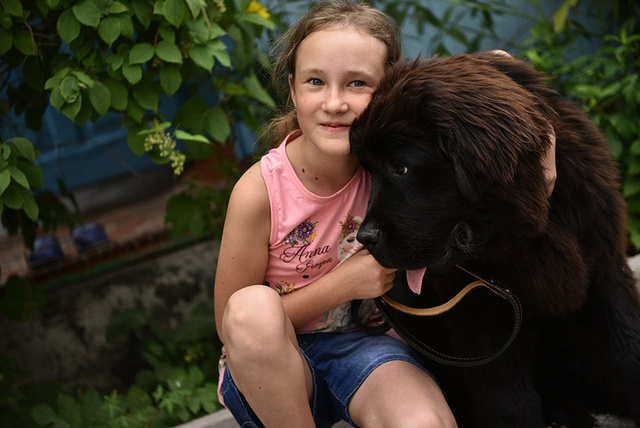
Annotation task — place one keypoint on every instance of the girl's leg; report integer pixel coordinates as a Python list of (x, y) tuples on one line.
[(264, 359), (400, 394)]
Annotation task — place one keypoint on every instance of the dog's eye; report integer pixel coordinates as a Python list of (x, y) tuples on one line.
[(401, 170)]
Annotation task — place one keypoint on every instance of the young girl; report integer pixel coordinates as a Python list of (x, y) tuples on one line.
[(295, 356)]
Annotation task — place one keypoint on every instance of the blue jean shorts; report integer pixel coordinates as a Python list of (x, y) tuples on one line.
[(339, 362)]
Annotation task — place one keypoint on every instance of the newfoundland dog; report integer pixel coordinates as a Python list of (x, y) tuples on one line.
[(455, 147)]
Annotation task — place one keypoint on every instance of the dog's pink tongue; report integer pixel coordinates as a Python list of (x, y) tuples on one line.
[(414, 278)]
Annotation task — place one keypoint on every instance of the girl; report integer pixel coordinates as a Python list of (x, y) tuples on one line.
[(294, 354)]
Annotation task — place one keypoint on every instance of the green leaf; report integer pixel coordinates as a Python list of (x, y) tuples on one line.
[(45, 416), (6, 40), (6, 152), (146, 97), (119, 95), (117, 7), (100, 97), (186, 215), (69, 410), (217, 124), (115, 61), (191, 113), (5, 179), (25, 147), (195, 376), (83, 79), (18, 176), (169, 52), (12, 7), (133, 73), (561, 15), (254, 18), (68, 26), (136, 139), (92, 407), (55, 80), (126, 25), (142, 11), (141, 53), (87, 13), (56, 99), (243, 4), (134, 111), (168, 33), (29, 203), (219, 50), (626, 127), (24, 42), (257, 91), (173, 11), (202, 31), (170, 78), (195, 6), (109, 29), (32, 172), (71, 110), (202, 57), (182, 135), (11, 197), (69, 88)]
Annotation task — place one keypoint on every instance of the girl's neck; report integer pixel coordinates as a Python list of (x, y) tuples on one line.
[(321, 174)]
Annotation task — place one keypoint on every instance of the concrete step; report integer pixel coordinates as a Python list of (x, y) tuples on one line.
[(224, 419)]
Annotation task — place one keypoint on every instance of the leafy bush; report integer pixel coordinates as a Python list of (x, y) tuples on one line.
[(605, 81), (178, 384), (91, 57)]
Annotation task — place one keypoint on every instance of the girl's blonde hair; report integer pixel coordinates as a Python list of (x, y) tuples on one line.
[(323, 15)]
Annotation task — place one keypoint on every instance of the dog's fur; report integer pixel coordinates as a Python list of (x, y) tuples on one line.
[(454, 147)]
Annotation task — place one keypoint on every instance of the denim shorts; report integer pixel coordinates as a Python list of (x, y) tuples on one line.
[(339, 362)]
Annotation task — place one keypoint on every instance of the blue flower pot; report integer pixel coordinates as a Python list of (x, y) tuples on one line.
[(46, 250), (89, 236)]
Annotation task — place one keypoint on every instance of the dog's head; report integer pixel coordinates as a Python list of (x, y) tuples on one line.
[(454, 149)]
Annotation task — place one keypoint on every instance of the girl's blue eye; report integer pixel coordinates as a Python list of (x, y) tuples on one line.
[(315, 82), (358, 83)]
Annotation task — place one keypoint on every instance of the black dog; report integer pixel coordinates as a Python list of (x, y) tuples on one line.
[(454, 148)]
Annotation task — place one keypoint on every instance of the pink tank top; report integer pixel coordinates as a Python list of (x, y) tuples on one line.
[(311, 234)]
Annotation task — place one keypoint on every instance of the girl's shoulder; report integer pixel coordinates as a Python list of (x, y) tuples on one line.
[(249, 195)]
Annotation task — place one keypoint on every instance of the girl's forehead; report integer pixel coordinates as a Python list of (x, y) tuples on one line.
[(344, 43)]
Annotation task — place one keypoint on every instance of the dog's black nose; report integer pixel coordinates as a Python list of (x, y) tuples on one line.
[(368, 236)]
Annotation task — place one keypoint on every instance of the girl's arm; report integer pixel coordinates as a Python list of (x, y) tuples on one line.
[(358, 277), (244, 249)]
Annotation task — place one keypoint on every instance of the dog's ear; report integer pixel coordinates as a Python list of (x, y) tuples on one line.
[(489, 125)]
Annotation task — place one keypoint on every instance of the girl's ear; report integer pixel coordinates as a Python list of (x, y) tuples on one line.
[(292, 89)]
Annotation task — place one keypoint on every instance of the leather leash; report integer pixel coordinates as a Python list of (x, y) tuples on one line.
[(384, 302)]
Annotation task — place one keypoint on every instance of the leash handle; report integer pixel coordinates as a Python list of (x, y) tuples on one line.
[(385, 302)]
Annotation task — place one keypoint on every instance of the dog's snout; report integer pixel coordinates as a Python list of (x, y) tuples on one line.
[(369, 236)]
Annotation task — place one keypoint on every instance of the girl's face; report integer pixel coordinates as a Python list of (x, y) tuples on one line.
[(337, 70)]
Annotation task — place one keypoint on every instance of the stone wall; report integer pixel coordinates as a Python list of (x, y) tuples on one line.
[(66, 341)]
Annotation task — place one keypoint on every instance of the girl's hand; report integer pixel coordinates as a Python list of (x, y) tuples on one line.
[(362, 277), (549, 164)]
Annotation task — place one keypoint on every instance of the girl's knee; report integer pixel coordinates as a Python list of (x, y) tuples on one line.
[(251, 317), (430, 417)]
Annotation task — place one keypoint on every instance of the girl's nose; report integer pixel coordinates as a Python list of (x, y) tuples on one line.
[(335, 101)]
